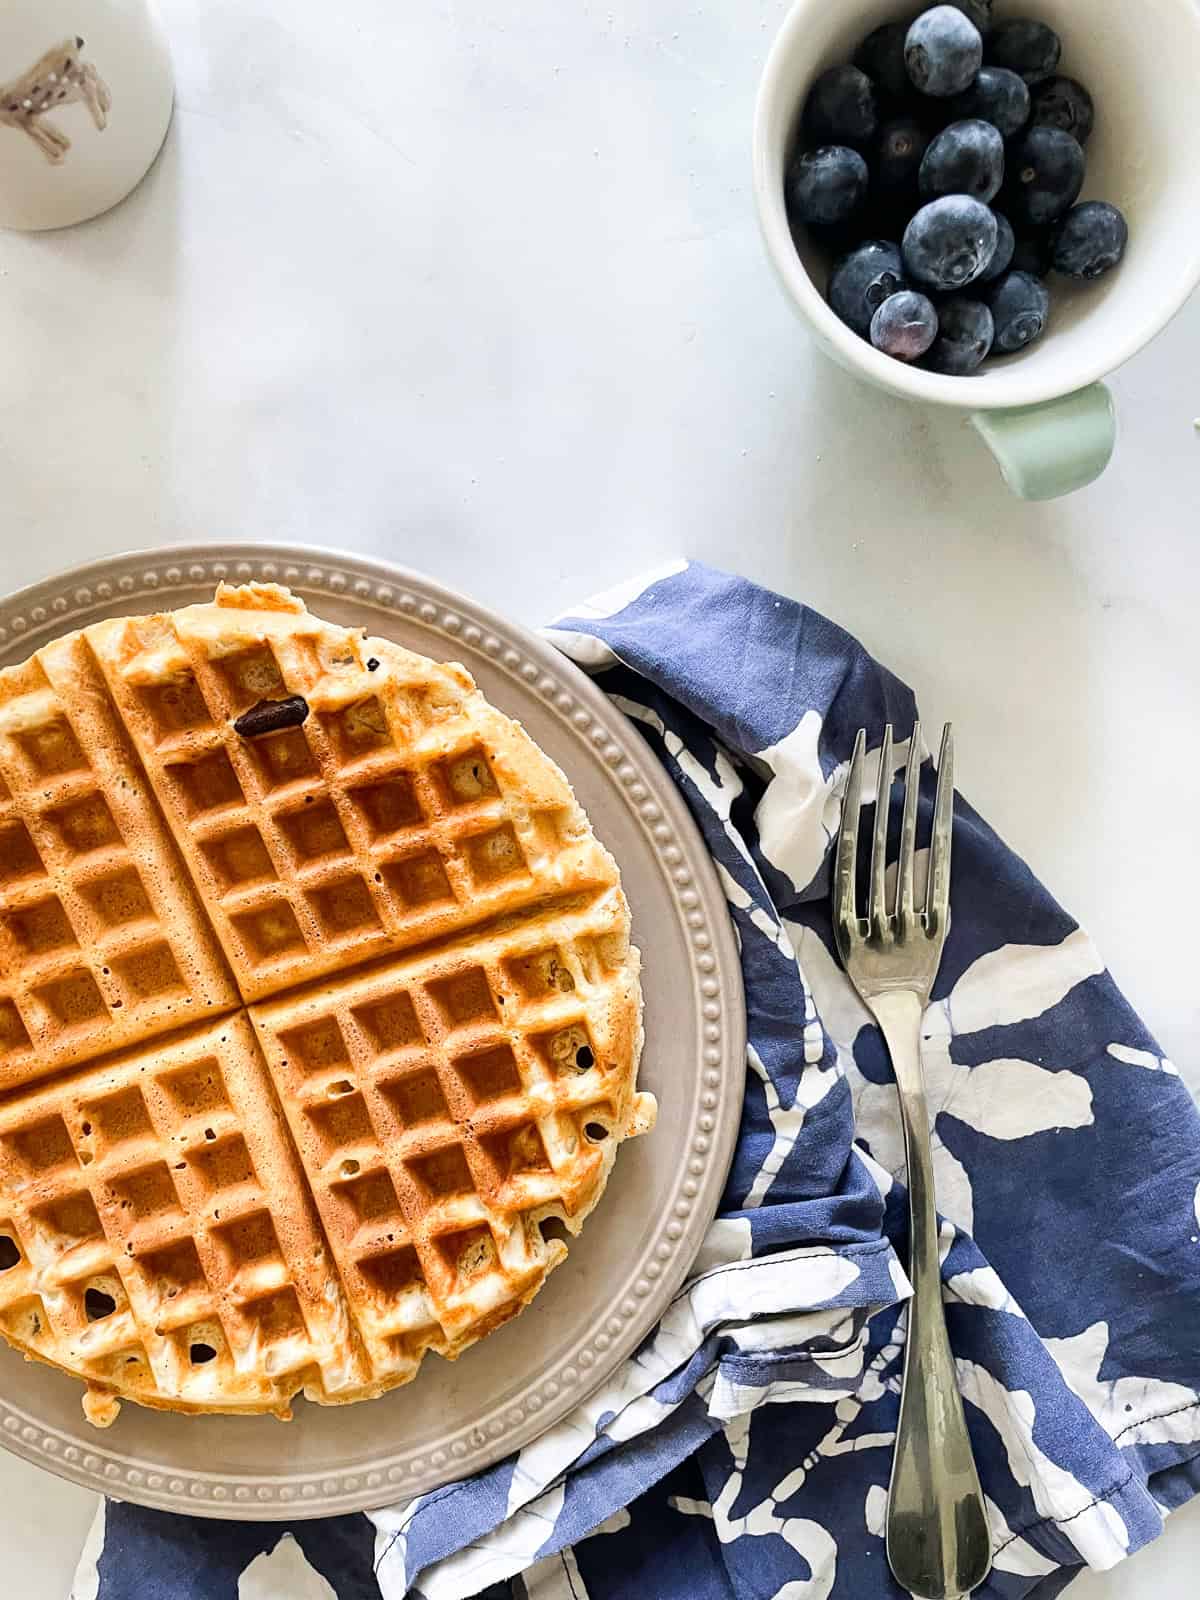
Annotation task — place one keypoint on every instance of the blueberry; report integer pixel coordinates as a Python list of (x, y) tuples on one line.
[(826, 186), (1019, 305), (881, 57), (902, 143), (1045, 171), (1089, 241), (950, 242), (1064, 103), (997, 96), (862, 280), (1003, 253), (965, 331), (942, 51), (904, 325), (979, 12), (841, 108), (1025, 47), (965, 158), (1031, 253)]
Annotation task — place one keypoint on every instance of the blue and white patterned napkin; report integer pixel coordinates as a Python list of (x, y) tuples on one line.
[(744, 1451)]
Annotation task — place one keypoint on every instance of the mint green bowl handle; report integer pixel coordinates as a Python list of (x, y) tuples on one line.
[(1053, 448)]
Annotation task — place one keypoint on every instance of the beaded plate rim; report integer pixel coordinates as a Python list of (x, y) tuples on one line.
[(108, 586)]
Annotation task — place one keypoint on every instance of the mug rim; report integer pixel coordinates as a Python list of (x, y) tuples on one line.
[(860, 356)]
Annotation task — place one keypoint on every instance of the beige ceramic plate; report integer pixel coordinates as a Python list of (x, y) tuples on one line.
[(457, 1416)]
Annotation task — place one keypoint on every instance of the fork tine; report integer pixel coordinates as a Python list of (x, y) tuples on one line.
[(877, 901), (905, 914), (937, 905), (845, 918)]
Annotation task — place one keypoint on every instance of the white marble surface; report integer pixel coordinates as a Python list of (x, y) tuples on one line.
[(477, 285)]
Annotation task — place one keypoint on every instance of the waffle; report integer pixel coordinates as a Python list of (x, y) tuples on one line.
[(371, 1133)]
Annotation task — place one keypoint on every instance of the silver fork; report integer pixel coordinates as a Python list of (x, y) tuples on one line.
[(938, 1543)]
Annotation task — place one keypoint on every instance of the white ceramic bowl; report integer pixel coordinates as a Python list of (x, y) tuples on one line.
[(1141, 61)]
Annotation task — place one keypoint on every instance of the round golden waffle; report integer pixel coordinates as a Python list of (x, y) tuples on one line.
[(319, 1020)]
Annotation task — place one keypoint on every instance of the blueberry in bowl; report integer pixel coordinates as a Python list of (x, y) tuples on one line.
[(862, 279), (842, 108), (826, 186), (1089, 241), (1025, 46), (965, 158), (997, 96), (943, 51), (1019, 305), (965, 333), (1046, 168), (881, 57), (904, 325), (950, 242), (1061, 102)]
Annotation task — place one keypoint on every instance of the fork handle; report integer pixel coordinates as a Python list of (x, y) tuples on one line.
[(938, 1543)]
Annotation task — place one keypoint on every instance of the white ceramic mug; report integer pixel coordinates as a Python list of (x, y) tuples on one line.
[(85, 100), (1047, 418)]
